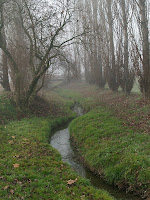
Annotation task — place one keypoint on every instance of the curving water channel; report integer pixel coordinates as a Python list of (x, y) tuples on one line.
[(61, 141)]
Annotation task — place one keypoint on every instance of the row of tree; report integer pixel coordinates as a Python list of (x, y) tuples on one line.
[(117, 48), (109, 39)]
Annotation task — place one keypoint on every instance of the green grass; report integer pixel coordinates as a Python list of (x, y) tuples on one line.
[(86, 103), (119, 154), (115, 152), (7, 109), (41, 173), (31, 169)]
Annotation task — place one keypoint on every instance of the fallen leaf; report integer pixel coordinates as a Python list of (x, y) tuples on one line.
[(13, 137), (82, 197), (29, 180), (11, 142), (70, 182), (16, 156), (25, 143), (6, 187), (16, 165), (19, 182), (12, 191), (25, 139)]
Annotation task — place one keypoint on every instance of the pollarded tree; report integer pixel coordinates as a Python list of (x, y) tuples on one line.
[(142, 4), (113, 79), (126, 72), (140, 38)]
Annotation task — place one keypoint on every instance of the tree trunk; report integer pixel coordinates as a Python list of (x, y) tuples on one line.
[(113, 83), (146, 51), (95, 45), (3, 46), (126, 53), (33, 85), (5, 81)]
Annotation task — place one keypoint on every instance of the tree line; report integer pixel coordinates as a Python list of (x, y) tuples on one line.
[(108, 41), (116, 50)]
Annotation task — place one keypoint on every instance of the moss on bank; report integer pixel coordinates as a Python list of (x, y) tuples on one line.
[(31, 169)]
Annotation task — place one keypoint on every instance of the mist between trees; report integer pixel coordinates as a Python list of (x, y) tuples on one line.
[(104, 41)]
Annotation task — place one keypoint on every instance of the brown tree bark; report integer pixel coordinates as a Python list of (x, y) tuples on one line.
[(146, 50), (113, 79), (126, 53), (5, 81), (3, 46)]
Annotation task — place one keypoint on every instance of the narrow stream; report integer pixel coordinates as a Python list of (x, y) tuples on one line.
[(61, 141)]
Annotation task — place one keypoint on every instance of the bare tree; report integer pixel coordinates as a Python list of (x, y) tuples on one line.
[(44, 37)]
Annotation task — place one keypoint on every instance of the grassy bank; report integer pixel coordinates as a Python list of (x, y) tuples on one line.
[(30, 168), (87, 103), (113, 139), (118, 154), (7, 109), (132, 109)]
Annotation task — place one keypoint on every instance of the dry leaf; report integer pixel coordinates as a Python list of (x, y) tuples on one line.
[(82, 197), (6, 187), (25, 139), (25, 143), (11, 142), (16, 156), (12, 191), (29, 181), (16, 165), (70, 182), (13, 137), (19, 182)]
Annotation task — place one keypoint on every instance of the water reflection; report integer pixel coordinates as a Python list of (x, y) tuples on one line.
[(61, 142)]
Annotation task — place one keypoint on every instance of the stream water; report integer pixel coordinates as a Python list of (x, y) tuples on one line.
[(61, 141)]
